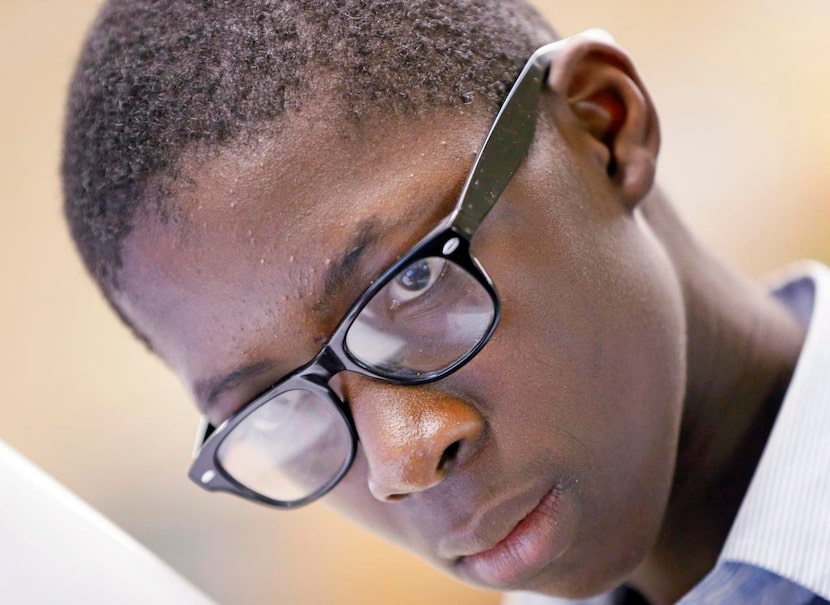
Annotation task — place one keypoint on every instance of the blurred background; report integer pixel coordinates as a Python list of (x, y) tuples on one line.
[(742, 90)]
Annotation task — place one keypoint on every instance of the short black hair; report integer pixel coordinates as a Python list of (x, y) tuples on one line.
[(156, 77)]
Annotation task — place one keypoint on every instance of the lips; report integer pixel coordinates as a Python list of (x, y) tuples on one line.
[(535, 541)]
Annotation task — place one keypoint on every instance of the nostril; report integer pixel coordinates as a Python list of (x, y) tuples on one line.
[(449, 455)]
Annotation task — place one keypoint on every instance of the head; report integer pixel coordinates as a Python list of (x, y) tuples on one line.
[(221, 159)]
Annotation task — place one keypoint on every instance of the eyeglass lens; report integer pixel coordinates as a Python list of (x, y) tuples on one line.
[(289, 447), (426, 318)]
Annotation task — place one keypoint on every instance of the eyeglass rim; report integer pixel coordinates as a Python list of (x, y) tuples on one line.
[(222, 480), (506, 145)]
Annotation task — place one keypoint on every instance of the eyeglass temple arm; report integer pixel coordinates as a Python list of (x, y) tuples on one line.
[(506, 145), (205, 430)]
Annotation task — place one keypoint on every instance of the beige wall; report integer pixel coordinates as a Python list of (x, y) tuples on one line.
[(741, 87)]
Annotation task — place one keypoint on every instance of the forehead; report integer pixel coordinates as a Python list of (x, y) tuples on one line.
[(238, 268)]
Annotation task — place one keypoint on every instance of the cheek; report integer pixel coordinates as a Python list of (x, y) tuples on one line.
[(598, 341)]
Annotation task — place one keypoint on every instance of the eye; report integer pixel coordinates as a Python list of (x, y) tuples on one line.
[(415, 280), (273, 416)]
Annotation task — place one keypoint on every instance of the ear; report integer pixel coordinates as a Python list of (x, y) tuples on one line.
[(608, 106)]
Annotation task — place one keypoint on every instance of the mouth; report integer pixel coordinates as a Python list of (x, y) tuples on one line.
[(534, 542)]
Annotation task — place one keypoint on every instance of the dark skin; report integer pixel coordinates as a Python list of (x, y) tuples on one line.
[(631, 378)]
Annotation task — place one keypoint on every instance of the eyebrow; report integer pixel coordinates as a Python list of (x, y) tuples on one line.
[(338, 273), (209, 390), (341, 271)]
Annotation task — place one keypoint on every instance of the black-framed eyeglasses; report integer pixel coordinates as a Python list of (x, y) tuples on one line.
[(422, 319)]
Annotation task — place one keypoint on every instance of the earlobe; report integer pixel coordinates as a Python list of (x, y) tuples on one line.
[(607, 101)]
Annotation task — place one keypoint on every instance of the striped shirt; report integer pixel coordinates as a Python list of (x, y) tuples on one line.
[(778, 549)]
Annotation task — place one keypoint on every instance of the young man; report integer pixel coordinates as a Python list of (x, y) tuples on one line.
[(507, 356)]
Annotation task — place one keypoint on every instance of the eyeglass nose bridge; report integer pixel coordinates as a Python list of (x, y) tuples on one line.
[(331, 361), (324, 366), (322, 369)]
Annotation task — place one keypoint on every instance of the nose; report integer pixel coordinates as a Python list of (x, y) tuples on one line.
[(412, 436)]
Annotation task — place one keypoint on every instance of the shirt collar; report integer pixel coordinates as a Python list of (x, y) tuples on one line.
[(783, 524)]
